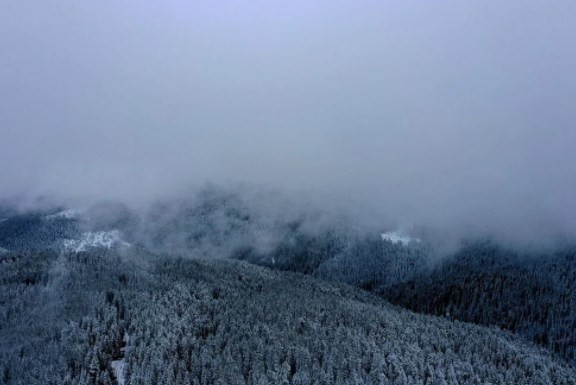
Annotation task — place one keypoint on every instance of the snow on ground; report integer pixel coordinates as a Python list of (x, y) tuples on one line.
[(90, 239), (65, 214), (119, 366), (399, 237), (3, 250)]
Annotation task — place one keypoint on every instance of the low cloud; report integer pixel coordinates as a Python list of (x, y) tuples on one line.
[(452, 116)]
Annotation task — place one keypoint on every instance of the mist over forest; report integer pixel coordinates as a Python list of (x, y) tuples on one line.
[(288, 192), (456, 116)]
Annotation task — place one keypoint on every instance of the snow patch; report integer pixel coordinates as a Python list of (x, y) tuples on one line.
[(65, 214), (118, 366), (107, 239), (399, 237)]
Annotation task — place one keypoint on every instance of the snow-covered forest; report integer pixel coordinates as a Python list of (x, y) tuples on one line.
[(287, 192), (76, 318), (151, 306)]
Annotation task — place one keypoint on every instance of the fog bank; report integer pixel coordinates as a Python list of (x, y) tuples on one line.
[(453, 116)]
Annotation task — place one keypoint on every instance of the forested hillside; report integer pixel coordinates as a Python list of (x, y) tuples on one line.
[(287, 192), (531, 295), (534, 296), (35, 231), (106, 318)]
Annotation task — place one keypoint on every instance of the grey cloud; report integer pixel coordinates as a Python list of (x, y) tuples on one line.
[(452, 115)]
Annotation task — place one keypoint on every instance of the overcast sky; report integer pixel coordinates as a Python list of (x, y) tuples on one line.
[(454, 114)]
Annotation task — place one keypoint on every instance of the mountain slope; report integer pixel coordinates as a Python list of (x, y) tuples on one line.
[(66, 230), (533, 296), (34, 231), (482, 283), (175, 321)]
